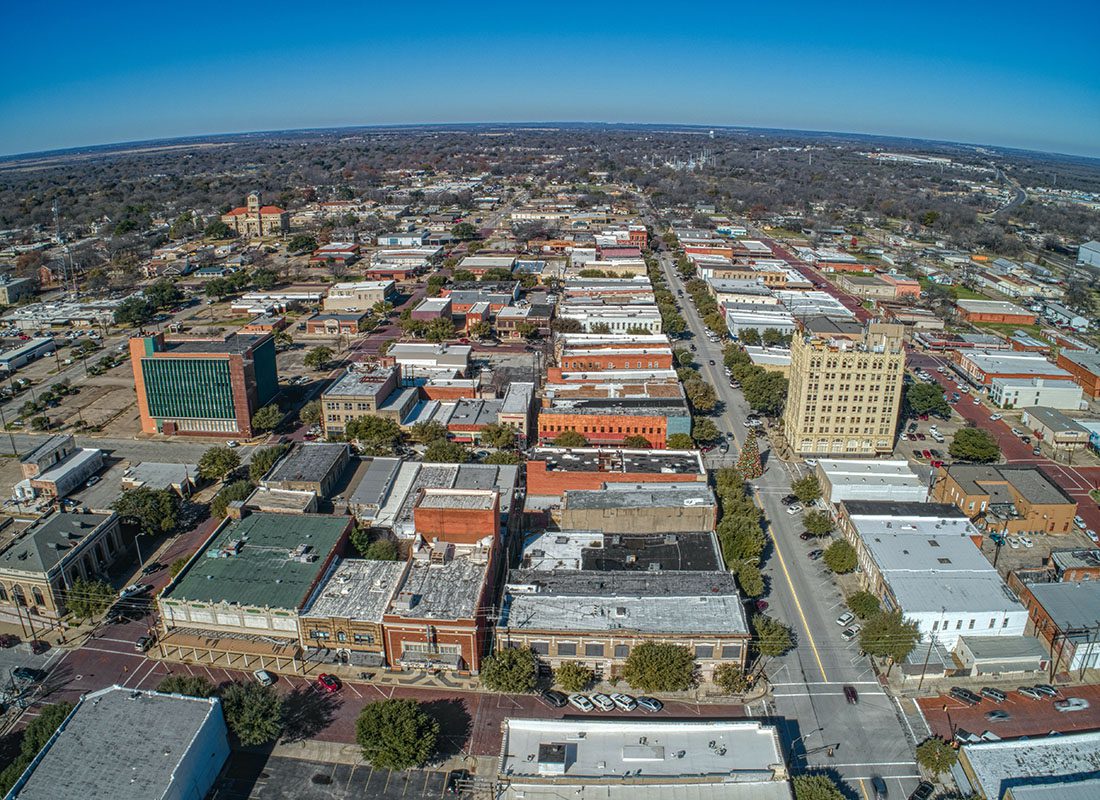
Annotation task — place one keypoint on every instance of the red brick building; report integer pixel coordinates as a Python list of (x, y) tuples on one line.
[(612, 358), (553, 470), (607, 422), (994, 311), (460, 516), (639, 236), (1085, 369)]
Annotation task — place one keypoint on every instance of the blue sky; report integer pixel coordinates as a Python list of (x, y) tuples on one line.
[(1015, 75)]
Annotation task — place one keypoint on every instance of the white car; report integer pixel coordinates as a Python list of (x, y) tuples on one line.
[(1072, 704), (263, 677), (603, 702), (794, 508), (579, 701), (811, 462), (977, 401), (941, 369), (1092, 535), (1013, 542), (1080, 523), (624, 701), (1026, 542), (994, 417), (845, 619), (850, 633)]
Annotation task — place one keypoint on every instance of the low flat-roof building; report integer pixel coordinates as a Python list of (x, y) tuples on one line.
[(1000, 655), (341, 622), (609, 421), (310, 467), (597, 618), (596, 551), (22, 354), (1006, 499), (995, 311), (552, 470), (426, 360), (1024, 392), (545, 759), (1054, 430), (1030, 768), (358, 296), (127, 744), (180, 478), (628, 508), (1084, 367), (1064, 616), (981, 367), (238, 598), (860, 479)]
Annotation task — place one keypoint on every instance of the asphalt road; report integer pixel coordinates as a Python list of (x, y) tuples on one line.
[(869, 738)]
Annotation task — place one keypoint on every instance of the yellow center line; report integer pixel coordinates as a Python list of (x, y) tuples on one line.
[(794, 594), (863, 789)]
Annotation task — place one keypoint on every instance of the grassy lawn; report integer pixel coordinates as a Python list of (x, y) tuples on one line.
[(962, 293), (1008, 328)]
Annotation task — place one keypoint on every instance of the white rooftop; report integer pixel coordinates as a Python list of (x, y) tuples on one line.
[(606, 751), (998, 765)]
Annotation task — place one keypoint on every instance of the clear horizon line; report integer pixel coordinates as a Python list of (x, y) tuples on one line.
[(121, 145)]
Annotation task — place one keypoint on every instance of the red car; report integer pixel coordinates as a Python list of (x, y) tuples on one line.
[(926, 453), (328, 683)]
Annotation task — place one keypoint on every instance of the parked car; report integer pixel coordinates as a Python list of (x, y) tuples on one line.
[(811, 462), (1027, 691), (850, 633), (814, 555), (602, 702), (761, 605), (879, 787), (1046, 688), (924, 790), (579, 701), (996, 695), (845, 618), (92, 481), (135, 590), (1080, 523), (794, 508), (806, 536), (1017, 432), (650, 704), (851, 695), (231, 443), (149, 569), (624, 701), (263, 677), (965, 696), (328, 683), (995, 417), (143, 643), (1072, 704), (790, 499), (8, 640), (553, 698)]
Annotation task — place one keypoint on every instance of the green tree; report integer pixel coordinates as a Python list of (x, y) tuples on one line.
[(302, 243), (176, 567), (750, 337), (974, 444), (773, 638), (570, 439), (750, 579), (741, 537), (462, 276), (35, 736), (217, 462), (238, 490), (396, 734), (511, 669), (134, 311), (701, 395), (704, 430), (936, 756), (217, 230), (264, 279), (496, 435), (684, 358), (163, 293), (439, 330), (376, 436), (818, 523), (889, 635), (87, 598), (816, 787), (573, 677), (381, 550), (807, 489), (748, 463), (680, 441), (263, 460), (660, 667), (253, 712), (465, 231), (925, 398), (443, 451), (151, 510), (840, 557), (318, 357), (267, 418), (637, 442), (310, 413), (503, 457), (425, 432), (864, 604), (765, 391), (188, 685), (481, 330), (730, 678), (773, 338)]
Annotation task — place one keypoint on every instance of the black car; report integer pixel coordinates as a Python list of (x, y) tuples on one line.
[(965, 696), (711, 362), (923, 791), (851, 695), (814, 555), (553, 698), (8, 640), (156, 566), (28, 674), (789, 500), (879, 787), (1046, 688), (806, 536)]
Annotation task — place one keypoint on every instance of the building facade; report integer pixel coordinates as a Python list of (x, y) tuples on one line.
[(204, 387), (253, 220), (845, 393)]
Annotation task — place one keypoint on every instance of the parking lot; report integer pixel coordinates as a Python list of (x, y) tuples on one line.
[(256, 776), (1026, 717)]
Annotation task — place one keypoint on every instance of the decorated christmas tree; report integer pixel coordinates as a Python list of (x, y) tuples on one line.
[(748, 464)]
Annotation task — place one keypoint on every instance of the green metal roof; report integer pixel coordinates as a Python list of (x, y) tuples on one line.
[(261, 571)]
